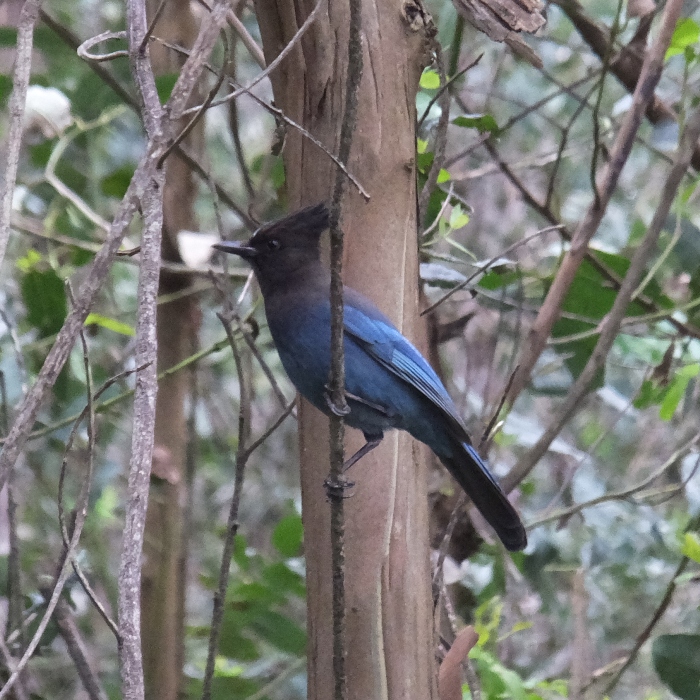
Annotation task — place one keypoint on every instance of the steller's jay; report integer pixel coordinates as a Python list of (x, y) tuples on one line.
[(388, 382)]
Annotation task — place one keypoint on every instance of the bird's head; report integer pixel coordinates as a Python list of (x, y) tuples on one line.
[(281, 248)]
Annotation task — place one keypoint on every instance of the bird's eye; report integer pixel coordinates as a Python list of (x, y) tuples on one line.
[(273, 244)]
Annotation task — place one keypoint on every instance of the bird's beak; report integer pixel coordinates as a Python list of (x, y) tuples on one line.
[(246, 252)]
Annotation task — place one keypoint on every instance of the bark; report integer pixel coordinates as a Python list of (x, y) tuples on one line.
[(163, 582), (389, 627)]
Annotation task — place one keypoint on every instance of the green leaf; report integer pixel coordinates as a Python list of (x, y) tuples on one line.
[(279, 631), (443, 176), (240, 555), (116, 183), (650, 393), (497, 680), (110, 324), (165, 84), (224, 687), (677, 661), (44, 297), (430, 80), (421, 146), (483, 122), (247, 593), (91, 96), (5, 89), (686, 33), (288, 535), (676, 390), (8, 37), (591, 295), (29, 261), (424, 161), (281, 578), (458, 218), (277, 174), (691, 546), (234, 644)]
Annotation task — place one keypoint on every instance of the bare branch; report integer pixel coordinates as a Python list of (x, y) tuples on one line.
[(151, 202), (250, 43), (653, 66), (217, 616), (610, 325), (621, 495), (20, 82), (658, 613), (83, 50), (440, 138), (78, 651), (8, 662), (336, 482), (63, 570)]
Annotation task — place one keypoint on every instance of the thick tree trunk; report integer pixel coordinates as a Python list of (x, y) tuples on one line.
[(163, 581), (389, 621)]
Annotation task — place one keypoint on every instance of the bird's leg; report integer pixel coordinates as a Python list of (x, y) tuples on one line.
[(351, 397), (335, 410), (337, 489), (372, 442)]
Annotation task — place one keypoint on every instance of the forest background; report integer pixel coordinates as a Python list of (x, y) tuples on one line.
[(583, 358)]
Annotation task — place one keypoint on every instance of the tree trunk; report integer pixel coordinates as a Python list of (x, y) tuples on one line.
[(389, 614), (163, 583)]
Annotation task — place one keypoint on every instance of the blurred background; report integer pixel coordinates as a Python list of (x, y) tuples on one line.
[(612, 564)]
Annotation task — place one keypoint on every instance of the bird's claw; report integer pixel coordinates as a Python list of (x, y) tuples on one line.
[(332, 407), (336, 489)]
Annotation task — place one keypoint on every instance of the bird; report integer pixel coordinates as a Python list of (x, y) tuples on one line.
[(388, 383)]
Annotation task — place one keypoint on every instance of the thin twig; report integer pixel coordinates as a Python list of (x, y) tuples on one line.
[(278, 59), (143, 428), (279, 114), (78, 651), (651, 72), (237, 25), (275, 683), (83, 50), (622, 495), (201, 111), (108, 403), (63, 570), (7, 660), (446, 86), (154, 20), (658, 613), (336, 483), (88, 411), (483, 268), (217, 615), (440, 139), (20, 81), (610, 325)]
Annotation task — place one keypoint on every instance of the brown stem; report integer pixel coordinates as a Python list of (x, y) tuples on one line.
[(549, 313), (610, 325), (20, 82)]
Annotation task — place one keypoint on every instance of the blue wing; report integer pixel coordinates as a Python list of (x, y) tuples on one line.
[(382, 341)]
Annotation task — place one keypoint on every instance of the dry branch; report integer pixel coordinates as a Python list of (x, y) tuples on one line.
[(607, 183), (610, 325), (336, 382), (20, 82)]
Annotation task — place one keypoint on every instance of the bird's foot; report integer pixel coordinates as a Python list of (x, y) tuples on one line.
[(333, 407), (336, 489)]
